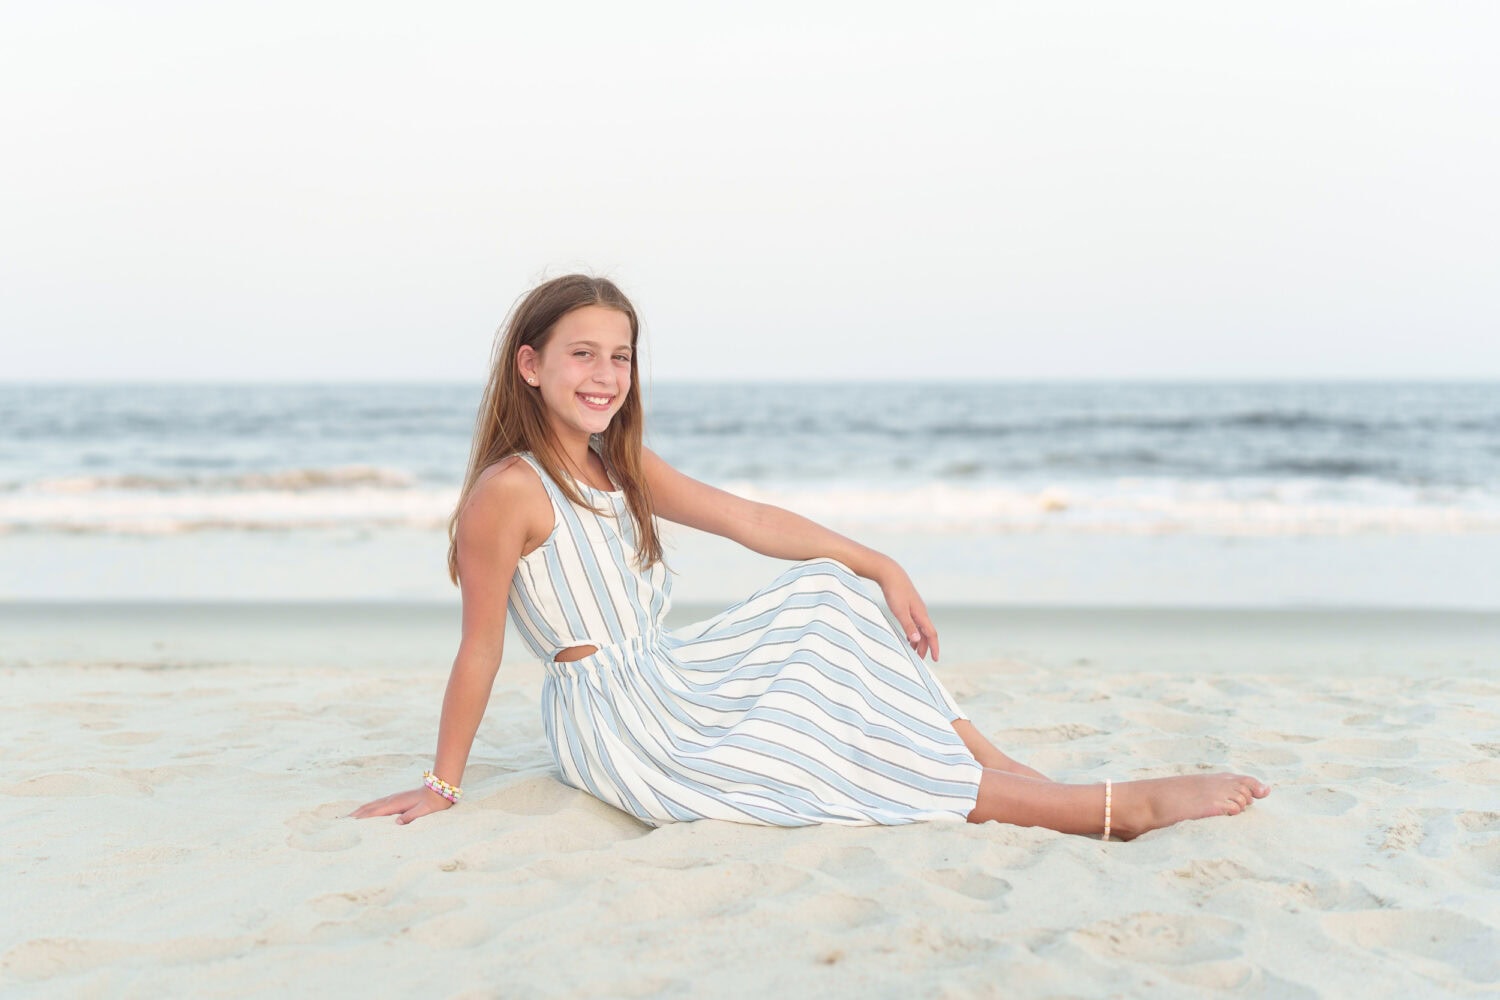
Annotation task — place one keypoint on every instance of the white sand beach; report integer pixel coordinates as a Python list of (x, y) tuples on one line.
[(184, 831)]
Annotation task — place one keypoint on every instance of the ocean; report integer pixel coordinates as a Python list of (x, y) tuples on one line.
[(1227, 459), (1162, 494)]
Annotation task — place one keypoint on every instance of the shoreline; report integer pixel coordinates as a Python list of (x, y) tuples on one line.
[(1000, 570), (421, 636)]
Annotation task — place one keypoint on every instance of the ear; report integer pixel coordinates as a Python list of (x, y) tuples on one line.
[(526, 362)]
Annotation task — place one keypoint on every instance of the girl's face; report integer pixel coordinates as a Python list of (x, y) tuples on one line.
[(583, 370)]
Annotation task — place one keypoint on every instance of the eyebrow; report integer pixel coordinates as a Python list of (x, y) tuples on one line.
[(595, 343)]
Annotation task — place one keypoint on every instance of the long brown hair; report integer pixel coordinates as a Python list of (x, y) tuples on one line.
[(512, 418)]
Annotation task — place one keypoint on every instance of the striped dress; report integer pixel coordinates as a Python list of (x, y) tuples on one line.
[(799, 705)]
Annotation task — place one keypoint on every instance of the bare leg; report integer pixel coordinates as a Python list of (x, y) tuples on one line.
[(988, 754), (1138, 805)]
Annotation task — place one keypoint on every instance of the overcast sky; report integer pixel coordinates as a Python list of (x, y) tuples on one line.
[(801, 190)]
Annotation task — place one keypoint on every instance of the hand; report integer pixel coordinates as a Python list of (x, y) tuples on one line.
[(901, 595), (408, 805)]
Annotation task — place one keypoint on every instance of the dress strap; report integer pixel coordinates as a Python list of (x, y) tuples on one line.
[(554, 493)]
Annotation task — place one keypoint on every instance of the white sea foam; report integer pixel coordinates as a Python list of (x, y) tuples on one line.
[(296, 480), (368, 498)]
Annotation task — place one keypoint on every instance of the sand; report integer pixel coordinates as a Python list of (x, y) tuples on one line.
[(186, 832)]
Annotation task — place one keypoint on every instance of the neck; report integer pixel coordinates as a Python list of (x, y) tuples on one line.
[(573, 447)]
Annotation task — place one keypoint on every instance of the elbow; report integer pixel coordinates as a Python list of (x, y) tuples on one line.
[(477, 659)]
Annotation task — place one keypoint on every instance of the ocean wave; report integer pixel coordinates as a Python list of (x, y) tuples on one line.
[(1127, 507), (289, 480)]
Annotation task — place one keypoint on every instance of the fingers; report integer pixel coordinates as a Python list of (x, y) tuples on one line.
[(922, 635), (380, 807), (922, 639), (914, 637), (417, 812), (930, 631), (386, 805)]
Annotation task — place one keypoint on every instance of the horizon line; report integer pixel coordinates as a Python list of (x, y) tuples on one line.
[(711, 380)]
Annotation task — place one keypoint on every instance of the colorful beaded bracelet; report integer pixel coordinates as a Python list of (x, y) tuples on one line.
[(450, 792)]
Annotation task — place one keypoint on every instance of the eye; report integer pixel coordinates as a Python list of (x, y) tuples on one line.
[(580, 353), (623, 358)]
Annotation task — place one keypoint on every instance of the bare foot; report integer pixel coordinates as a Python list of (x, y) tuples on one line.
[(1157, 802)]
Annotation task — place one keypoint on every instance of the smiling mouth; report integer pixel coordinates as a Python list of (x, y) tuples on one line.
[(596, 402)]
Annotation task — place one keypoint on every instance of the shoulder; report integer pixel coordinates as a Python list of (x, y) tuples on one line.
[(507, 497), (653, 465)]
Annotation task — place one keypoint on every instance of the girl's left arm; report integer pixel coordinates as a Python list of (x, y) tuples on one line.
[(779, 533)]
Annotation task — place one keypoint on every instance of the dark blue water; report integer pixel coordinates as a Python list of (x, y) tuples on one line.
[(1433, 448)]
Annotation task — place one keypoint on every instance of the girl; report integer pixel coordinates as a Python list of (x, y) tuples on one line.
[(799, 705)]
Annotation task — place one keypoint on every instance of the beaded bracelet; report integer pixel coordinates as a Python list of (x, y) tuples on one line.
[(450, 792), (1108, 789)]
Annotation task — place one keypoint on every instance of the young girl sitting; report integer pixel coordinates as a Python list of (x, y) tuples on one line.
[(799, 705)]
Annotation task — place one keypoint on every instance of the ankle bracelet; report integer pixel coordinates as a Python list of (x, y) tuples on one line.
[(1108, 795)]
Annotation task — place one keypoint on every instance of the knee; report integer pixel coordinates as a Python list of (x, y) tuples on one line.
[(826, 564)]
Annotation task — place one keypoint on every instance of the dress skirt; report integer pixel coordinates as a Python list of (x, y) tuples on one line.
[(800, 705)]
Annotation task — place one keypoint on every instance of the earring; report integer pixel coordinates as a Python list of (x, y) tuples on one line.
[(532, 381)]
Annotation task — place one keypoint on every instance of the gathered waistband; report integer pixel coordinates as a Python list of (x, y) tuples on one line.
[(613, 653)]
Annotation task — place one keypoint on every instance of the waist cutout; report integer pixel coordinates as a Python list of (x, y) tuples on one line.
[(607, 654)]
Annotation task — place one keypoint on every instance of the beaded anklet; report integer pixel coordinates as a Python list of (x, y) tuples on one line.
[(1108, 790), (450, 792)]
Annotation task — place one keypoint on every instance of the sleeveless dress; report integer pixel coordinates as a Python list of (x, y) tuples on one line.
[(799, 705)]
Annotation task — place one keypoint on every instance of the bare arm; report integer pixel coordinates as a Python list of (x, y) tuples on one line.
[(779, 533), (507, 512)]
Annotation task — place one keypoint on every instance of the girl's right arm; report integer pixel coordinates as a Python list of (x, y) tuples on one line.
[(507, 512)]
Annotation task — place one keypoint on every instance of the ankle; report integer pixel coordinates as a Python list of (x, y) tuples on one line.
[(1131, 812)]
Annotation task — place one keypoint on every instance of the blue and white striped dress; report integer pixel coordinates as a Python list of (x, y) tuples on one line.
[(799, 705)]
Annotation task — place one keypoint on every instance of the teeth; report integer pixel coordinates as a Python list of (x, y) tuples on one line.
[(596, 400)]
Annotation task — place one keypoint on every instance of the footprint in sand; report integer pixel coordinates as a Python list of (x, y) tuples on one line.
[(1170, 722), (969, 882), (1403, 833), (1479, 822), (1482, 861), (347, 904), (845, 862), (1163, 938), (1450, 941), (1479, 772), (1387, 749), (71, 784), (834, 911), (1061, 733), (1315, 801), (646, 895), (1207, 874), (1432, 832), (1344, 894), (1267, 757), (1267, 736), (128, 739), (322, 829)]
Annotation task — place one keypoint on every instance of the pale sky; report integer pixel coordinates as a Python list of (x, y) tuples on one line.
[(786, 190)]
